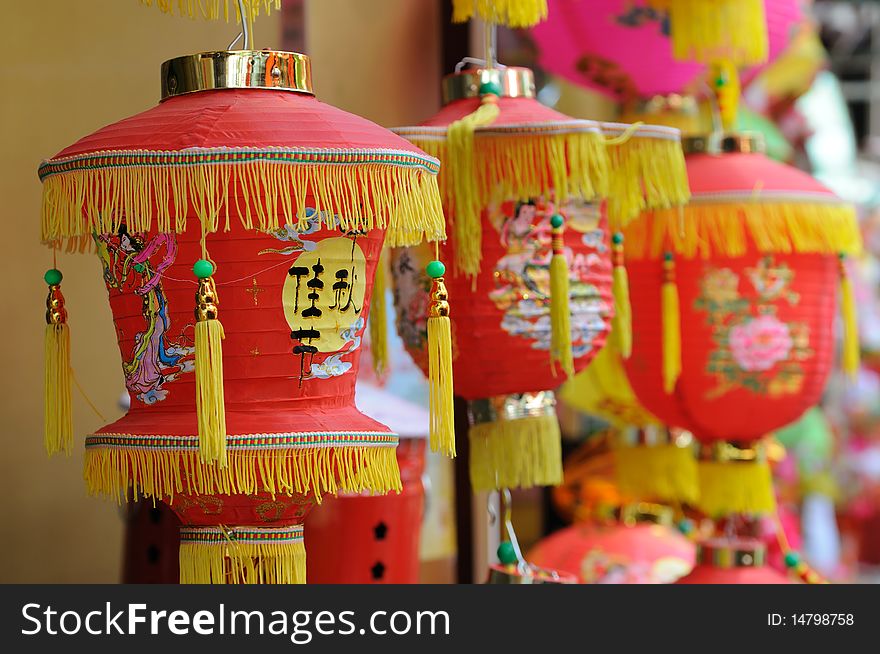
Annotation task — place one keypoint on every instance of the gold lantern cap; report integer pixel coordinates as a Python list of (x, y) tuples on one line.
[(514, 82), (237, 69), (732, 553), (724, 143)]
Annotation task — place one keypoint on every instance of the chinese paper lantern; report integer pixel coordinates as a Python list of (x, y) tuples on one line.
[(527, 172), (651, 461), (641, 547), (283, 204), (735, 297), (732, 561)]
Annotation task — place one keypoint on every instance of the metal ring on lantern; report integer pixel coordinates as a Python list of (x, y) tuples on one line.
[(514, 82), (737, 553), (515, 406), (724, 143)]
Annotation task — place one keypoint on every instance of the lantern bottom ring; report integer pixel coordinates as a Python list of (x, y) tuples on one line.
[(514, 406), (732, 553), (727, 452)]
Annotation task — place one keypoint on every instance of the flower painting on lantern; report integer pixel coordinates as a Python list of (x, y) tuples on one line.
[(753, 348), (522, 274), (134, 264)]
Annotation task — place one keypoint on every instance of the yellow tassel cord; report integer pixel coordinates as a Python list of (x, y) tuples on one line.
[(378, 320), (130, 471), (511, 13), (509, 165), (647, 171), (58, 434), (263, 194), (735, 487), (662, 472), (516, 453), (621, 326), (671, 317), (560, 311), (707, 229), (467, 227), (214, 9), (724, 79), (238, 556), (705, 30), (440, 384), (210, 403), (850, 355)]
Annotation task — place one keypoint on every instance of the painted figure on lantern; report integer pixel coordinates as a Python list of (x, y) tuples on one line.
[(133, 264)]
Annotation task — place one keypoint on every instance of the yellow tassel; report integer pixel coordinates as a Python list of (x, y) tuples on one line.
[(850, 357), (215, 9), (664, 472), (242, 555), (210, 404), (467, 206), (519, 453), (703, 31), (735, 487), (724, 78), (442, 429), (622, 323), (671, 317), (58, 434), (378, 320), (560, 311), (511, 13)]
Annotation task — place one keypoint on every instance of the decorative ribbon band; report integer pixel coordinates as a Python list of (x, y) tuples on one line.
[(515, 406), (251, 535), (247, 441), (734, 554)]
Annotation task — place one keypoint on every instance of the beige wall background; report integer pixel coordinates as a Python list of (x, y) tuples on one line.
[(70, 68)]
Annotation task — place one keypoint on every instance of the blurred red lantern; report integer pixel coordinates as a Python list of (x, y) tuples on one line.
[(733, 561), (283, 203), (642, 548), (502, 192), (735, 301)]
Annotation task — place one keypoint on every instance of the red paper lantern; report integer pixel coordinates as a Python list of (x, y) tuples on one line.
[(290, 201), (501, 193), (735, 299), (732, 561)]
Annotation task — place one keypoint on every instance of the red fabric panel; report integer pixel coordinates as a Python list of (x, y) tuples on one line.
[(260, 510), (710, 174), (709, 575)]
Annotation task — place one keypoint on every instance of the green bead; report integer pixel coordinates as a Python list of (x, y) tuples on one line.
[(203, 268), (140, 267), (668, 256), (792, 558), (506, 553), (720, 82), (53, 277), (685, 526), (556, 221), (617, 239), (435, 269), (487, 88)]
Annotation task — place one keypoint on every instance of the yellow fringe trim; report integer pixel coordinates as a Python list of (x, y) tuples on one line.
[(850, 354), (622, 321), (58, 412), (705, 30), (378, 320), (243, 563), (440, 385), (461, 158), (405, 200), (214, 9), (210, 403), (671, 325), (560, 315), (512, 13), (708, 229), (646, 173), (521, 167), (516, 453), (662, 472), (128, 472), (735, 487)]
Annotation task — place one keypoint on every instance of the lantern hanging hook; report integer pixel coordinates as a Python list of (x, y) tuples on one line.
[(475, 61), (245, 29), (508, 531)]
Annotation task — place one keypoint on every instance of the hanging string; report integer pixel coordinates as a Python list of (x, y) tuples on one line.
[(85, 396)]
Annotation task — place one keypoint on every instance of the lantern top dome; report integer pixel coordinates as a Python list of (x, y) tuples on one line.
[(237, 69)]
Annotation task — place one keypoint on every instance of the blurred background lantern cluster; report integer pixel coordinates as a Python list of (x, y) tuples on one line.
[(244, 191)]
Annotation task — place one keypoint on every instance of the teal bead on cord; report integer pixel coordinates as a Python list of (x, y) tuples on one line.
[(668, 256), (53, 277), (685, 526), (792, 558), (617, 238), (203, 268), (506, 553), (490, 88), (557, 221), (435, 269)]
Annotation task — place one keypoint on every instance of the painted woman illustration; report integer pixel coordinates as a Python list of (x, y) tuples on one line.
[(129, 266)]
